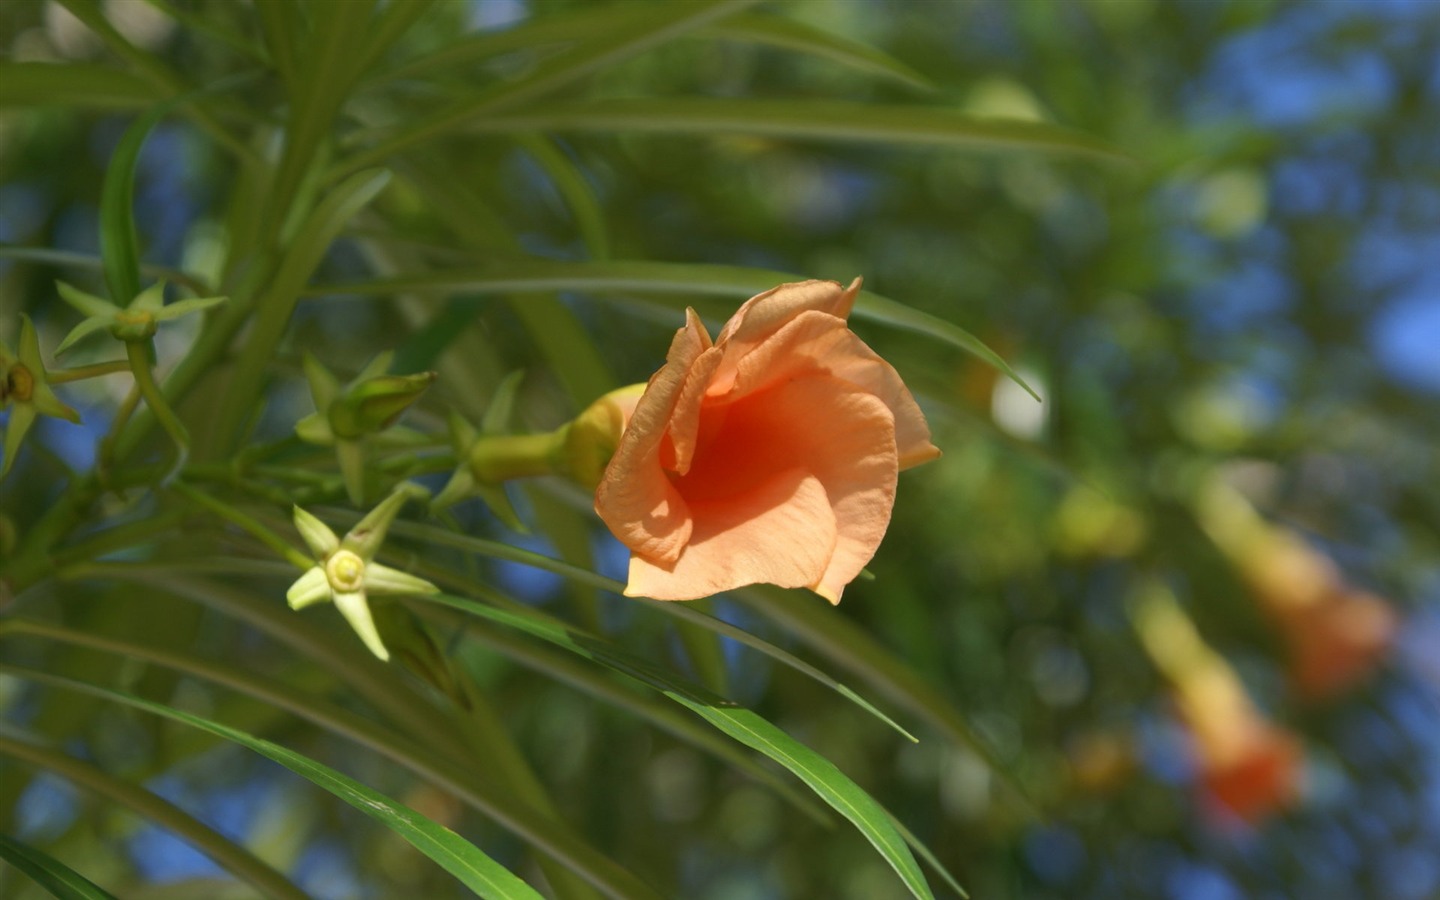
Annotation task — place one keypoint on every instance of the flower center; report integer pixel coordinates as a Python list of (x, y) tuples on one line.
[(19, 383), (345, 570)]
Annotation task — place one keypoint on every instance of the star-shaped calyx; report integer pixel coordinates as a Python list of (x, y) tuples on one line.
[(25, 389), (134, 322), (345, 571)]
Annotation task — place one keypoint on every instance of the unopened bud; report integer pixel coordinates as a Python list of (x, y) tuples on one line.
[(591, 438), (375, 403)]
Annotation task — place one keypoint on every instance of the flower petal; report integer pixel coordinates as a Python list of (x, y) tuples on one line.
[(185, 307), (837, 432), (781, 533), (151, 300), (316, 534), (29, 349), (311, 588), (323, 385), (634, 497), (43, 398), (369, 533), (356, 610), (385, 580), (22, 415), (816, 341), (83, 330), (764, 314), (87, 304)]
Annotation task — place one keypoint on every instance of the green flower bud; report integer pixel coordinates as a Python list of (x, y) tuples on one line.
[(591, 438), (374, 404)]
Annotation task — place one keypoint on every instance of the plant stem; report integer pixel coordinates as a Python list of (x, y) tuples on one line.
[(145, 381), (94, 370), (249, 524)]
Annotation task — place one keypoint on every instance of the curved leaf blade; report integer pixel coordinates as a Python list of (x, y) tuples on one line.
[(804, 120), (456, 855), (50, 873), (745, 726), (73, 85), (666, 280), (661, 22)]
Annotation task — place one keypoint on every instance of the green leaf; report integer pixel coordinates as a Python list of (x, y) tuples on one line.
[(803, 119), (227, 853), (689, 613), (457, 856), (450, 769), (662, 22), (48, 872), (750, 729), (678, 284), (585, 207), (848, 645), (792, 34), (445, 759), (565, 669), (438, 537), (583, 22), (119, 250), (73, 86)]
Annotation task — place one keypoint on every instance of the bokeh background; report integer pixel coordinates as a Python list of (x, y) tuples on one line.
[(1182, 612)]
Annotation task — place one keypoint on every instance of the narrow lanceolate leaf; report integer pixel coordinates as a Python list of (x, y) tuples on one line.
[(439, 537), (750, 729), (803, 119), (456, 855), (73, 86), (583, 23), (798, 36), (670, 284), (51, 874), (662, 22), (119, 251)]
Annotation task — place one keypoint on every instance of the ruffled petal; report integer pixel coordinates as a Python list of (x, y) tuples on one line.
[(634, 497), (783, 533), (763, 315), (815, 341)]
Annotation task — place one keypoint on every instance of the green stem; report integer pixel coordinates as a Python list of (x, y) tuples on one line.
[(245, 522), (499, 458), (94, 370), (145, 380), (105, 457), (233, 857)]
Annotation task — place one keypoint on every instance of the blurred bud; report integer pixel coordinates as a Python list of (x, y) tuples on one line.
[(591, 438), (1335, 634), (374, 404)]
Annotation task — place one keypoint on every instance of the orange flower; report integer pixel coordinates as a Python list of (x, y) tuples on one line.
[(1336, 634), (769, 456), (1247, 765)]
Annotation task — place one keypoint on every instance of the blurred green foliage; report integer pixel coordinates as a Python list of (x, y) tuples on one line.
[(1239, 299)]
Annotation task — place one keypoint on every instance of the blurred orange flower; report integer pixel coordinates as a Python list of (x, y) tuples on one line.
[(1247, 766), (769, 456), (1335, 633)]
